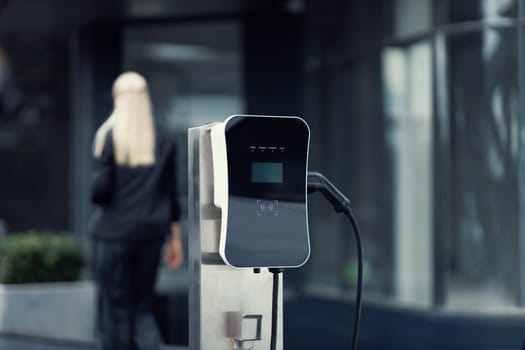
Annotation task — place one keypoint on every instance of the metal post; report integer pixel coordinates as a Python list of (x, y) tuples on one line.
[(228, 308)]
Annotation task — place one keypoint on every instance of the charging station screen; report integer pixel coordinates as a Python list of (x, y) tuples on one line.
[(267, 172)]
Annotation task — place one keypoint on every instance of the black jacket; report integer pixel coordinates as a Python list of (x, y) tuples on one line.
[(135, 202)]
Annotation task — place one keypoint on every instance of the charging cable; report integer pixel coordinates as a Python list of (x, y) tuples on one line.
[(275, 297), (319, 183)]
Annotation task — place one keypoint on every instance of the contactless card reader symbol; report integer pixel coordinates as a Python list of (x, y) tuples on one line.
[(259, 176), (267, 207)]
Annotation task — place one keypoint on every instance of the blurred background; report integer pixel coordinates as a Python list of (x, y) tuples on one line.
[(417, 112)]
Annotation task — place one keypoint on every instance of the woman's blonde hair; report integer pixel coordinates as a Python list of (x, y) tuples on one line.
[(131, 123)]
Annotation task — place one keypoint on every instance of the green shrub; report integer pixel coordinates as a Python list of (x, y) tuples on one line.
[(33, 257)]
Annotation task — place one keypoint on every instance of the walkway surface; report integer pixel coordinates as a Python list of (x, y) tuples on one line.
[(8, 342)]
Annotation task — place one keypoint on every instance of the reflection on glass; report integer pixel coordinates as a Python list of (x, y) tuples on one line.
[(194, 70), (482, 266), (408, 108)]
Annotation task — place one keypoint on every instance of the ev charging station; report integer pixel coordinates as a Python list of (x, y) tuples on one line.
[(248, 221)]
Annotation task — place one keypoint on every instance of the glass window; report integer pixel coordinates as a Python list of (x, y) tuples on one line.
[(34, 129), (481, 86), (424, 135)]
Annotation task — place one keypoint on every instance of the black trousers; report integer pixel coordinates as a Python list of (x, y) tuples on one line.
[(125, 273)]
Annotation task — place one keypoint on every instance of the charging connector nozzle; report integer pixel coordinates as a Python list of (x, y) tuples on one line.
[(317, 182)]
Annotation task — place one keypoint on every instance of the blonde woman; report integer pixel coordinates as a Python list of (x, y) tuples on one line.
[(135, 193)]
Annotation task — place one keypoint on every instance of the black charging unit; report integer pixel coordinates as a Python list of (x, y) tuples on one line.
[(261, 182)]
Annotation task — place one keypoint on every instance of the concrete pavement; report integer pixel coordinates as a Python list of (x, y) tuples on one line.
[(10, 342)]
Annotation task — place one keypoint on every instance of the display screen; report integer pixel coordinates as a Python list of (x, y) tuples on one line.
[(267, 172)]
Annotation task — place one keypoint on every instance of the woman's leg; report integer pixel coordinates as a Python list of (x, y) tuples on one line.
[(113, 276), (146, 264)]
